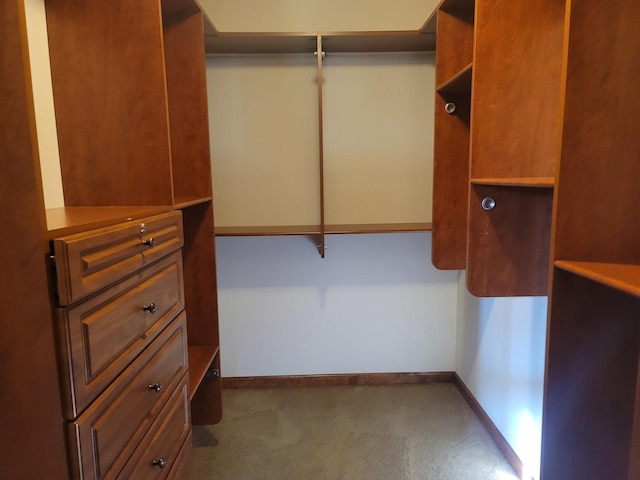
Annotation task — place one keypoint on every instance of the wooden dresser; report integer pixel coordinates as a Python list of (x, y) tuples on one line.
[(108, 359), (122, 348)]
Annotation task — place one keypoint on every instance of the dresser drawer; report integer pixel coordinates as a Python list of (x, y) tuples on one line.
[(103, 438), (181, 468), (102, 335), (158, 452), (88, 261)]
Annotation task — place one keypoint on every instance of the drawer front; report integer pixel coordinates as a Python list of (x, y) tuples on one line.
[(157, 454), (109, 431), (102, 335), (181, 468), (88, 261)]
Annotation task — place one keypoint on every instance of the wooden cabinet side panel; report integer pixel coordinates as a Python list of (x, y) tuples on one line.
[(32, 440), (200, 288), (598, 194), (450, 189), (188, 113), (206, 405), (110, 101), (591, 379), (509, 246), (516, 89)]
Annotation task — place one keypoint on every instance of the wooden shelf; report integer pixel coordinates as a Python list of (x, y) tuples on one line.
[(200, 359), (333, 42), (535, 182), (387, 41), (457, 86), (257, 42), (69, 220), (625, 278), (378, 228), (331, 229), (270, 230), (190, 203)]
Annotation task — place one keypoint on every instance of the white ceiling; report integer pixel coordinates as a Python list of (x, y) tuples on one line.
[(317, 15)]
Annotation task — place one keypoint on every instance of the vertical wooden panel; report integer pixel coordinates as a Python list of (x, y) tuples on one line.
[(199, 260), (109, 93), (454, 52), (509, 245), (188, 114), (32, 440), (516, 89), (598, 194), (319, 58), (450, 188), (592, 371), (454, 48), (206, 405)]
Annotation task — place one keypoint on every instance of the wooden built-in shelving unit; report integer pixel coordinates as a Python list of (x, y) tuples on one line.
[(134, 141), (454, 73), (591, 423), (552, 198)]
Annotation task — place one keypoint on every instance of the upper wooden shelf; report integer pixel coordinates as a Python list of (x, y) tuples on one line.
[(333, 42), (69, 220), (535, 182), (625, 278), (329, 229)]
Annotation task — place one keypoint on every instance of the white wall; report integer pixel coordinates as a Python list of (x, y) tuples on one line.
[(374, 304), (43, 103), (500, 357)]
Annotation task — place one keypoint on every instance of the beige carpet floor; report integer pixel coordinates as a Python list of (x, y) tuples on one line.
[(407, 432)]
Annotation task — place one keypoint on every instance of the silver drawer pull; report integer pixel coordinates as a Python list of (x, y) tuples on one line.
[(160, 463), (149, 243), (156, 387), (151, 308)]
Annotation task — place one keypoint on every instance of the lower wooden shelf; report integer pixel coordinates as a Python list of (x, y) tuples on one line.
[(354, 228), (201, 358), (625, 278), (273, 230), (377, 228)]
